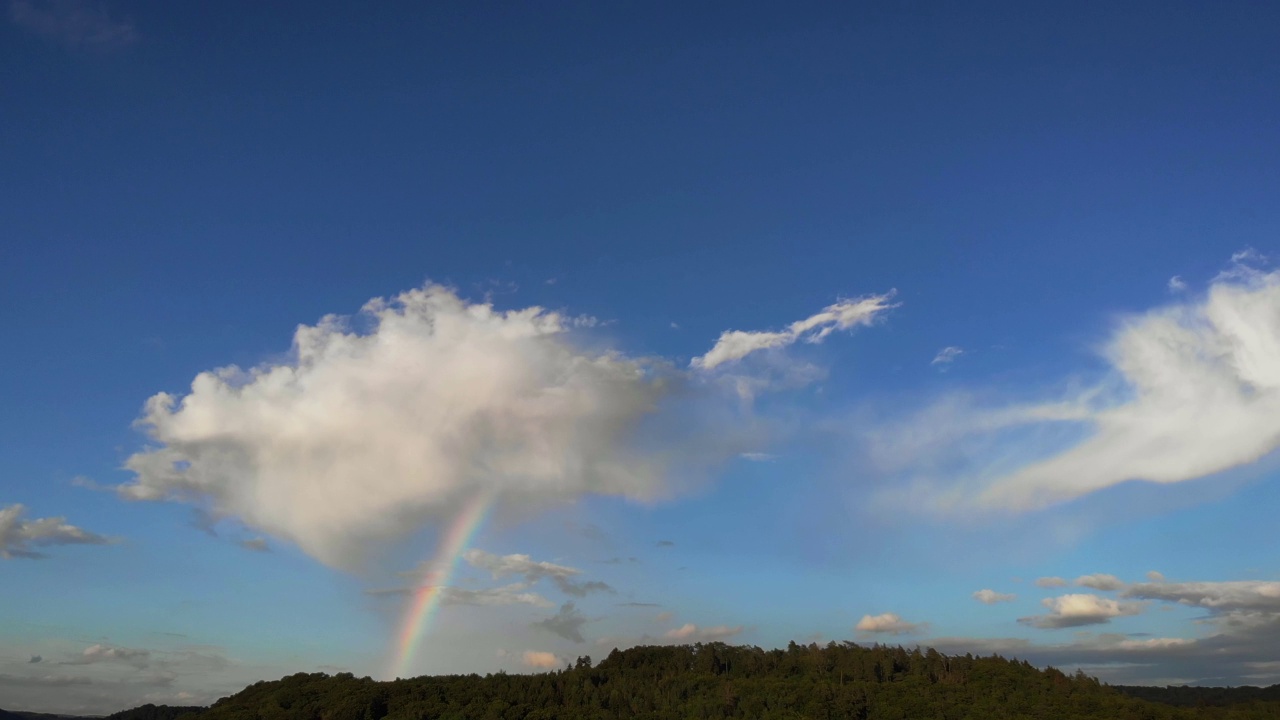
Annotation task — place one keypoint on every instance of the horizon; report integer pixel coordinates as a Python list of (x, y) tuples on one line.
[(451, 339)]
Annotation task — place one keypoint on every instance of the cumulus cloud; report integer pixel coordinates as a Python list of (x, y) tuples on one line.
[(1194, 390), (689, 632), (539, 659), (19, 538), (567, 623), (378, 424), (35, 659), (1177, 284), (74, 23), (1100, 581), (532, 571), (947, 355), (991, 597), (1078, 609), (1050, 582), (733, 345), (1155, 576), (888, 624)]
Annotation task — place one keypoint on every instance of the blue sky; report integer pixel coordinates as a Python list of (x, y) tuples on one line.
[(566, 212)]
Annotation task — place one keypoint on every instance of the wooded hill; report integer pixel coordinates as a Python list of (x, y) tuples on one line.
[(722, 681)]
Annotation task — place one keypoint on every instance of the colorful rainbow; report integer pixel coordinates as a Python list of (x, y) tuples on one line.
[(427, 594)]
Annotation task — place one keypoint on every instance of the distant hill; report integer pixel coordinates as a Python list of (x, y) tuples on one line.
[(722, 681), (23, 715)]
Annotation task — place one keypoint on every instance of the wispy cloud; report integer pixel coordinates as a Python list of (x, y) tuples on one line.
[(947, 355), (692, 633), (532, 571), (567, 623), (73, 23), (19, 537), (1194, 390), (734, 345)]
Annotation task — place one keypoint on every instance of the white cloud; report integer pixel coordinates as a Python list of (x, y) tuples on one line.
[(533, 571), (692, 633), (1050, 582), (362, 437), (540, 660), (733, 345), (991, 597), (1155, 576), (1177, 284), (1194, 390), (19, 537), (887, 624), (758, 456), (947, 355), (1075, 610), (74, 23), (1100, 581)]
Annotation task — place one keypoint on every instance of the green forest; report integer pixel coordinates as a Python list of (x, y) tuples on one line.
[(715, 680)]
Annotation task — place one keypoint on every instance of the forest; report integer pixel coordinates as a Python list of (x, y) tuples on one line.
[(840, 680)]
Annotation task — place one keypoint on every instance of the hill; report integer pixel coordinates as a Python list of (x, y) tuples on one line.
[(718, 681)]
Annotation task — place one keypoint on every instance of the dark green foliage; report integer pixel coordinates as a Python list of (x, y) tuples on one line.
[(155, 712), (1184, 696), (719, 681)]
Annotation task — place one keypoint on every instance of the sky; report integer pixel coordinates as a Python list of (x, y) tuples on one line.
[(454, 337)]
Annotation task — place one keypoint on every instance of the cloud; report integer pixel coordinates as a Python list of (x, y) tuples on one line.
[(1155, 576), (888, 624), (18, 537), (73, 23), (947, 355), (1050, 582), (35, 659), (1100, 581), (533, 571), (733, 345), (1193, 390), (692, 633), (513, 594), (567, 623), (255, 544), (1177, 284), (1217, 596), (991, 597), (377, 425), (757, 456), (540, 660), (105, 653), (43, 680), (639, 604), (665, 544), (1076, 610)]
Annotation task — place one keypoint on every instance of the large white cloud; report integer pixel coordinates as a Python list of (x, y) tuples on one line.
[(19, 537), (1079, 609), (363, 436), (733, 345), (1194, 390)]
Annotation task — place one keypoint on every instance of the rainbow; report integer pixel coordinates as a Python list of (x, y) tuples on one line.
[(427, 595)]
